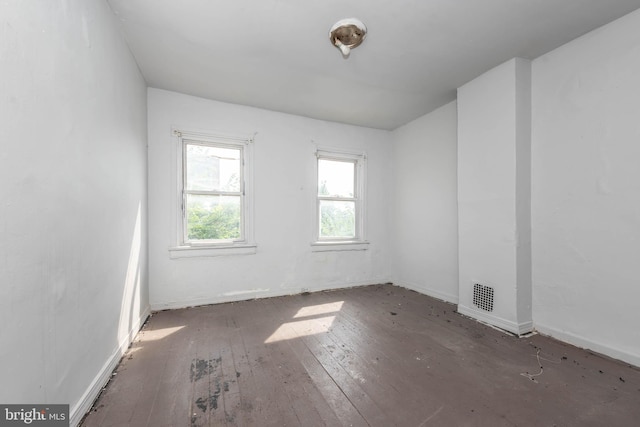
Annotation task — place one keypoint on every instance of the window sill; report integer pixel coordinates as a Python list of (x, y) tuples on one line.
[(210, 251), (339, 246)]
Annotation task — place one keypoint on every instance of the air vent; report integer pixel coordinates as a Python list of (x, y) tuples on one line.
[(483, 297)]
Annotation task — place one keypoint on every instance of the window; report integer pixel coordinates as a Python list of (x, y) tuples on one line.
[(213, 196), (339, 201)]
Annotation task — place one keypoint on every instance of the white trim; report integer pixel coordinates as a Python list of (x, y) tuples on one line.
[(324, 150), (585, 343), (507, 325), (250, 294), (444, 296), (240, 194), (204, 135), (83, 406), (210, 251), (333, 245), (359, 158), (247, 245), (343, 156)]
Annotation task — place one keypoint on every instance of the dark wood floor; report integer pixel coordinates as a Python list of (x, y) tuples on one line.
[(378, 355)]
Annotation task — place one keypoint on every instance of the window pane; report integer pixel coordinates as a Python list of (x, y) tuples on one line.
[(213, 217), (212, 168), (336, 178), (337, 219)]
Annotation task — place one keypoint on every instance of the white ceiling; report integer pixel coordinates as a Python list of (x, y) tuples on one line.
[(276, 54)]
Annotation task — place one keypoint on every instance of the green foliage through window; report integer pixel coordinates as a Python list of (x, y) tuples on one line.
[(337, 219), (220, 222)]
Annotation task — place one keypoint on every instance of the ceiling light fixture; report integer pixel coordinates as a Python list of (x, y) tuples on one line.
[(347, 34)]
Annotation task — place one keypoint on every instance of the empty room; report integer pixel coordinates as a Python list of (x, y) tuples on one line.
[(336, 213)]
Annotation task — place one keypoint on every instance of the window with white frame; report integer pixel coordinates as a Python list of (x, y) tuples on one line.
[(214, 192), (339, 197)]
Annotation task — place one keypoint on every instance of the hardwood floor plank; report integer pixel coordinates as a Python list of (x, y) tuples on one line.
[(371, 356), (332, 394), (270, 401), (317, 386), (352, 355)]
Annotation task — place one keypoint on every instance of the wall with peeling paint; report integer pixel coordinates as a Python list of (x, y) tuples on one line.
[(284, 188), (425, 208), (73, 190), (586, 190)]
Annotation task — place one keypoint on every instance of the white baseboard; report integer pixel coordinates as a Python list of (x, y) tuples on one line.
[(253, 294), (78, 411), (578, 341), (507, 325), (429, 292)]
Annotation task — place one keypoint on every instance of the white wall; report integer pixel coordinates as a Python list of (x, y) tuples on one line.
[(284, 190), (73, 189), (586, 190), (524, 282), (493, 194), (425, 208)]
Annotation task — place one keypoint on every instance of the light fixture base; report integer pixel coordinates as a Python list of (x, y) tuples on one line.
[(347, 34)]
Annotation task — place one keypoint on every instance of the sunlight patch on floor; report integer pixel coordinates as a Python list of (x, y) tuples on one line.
[(301, 328), (310, 320), (158, 334), (314, 310)]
